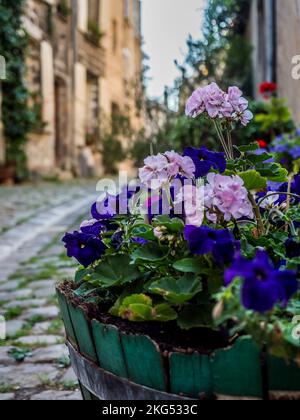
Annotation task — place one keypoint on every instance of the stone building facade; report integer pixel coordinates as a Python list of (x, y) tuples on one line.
[(84, 64), (274, 31)]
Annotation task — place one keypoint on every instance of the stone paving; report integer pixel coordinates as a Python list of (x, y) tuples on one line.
[(34, 362)]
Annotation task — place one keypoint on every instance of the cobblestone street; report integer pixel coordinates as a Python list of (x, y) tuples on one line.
[(34, 363)]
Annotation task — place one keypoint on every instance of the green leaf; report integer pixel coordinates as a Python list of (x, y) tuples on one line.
[(164, 313), (143, 231), (248, 148), (253, 180), (85, 290), (177, 291), (255, 159), (139, 308), (81, 274), (273, 172), (150, 252), (175, 225), (115, 271), (136, 312), (196, 317), (188, 265)]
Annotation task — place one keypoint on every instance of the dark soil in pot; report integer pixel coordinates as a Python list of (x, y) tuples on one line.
[(168, 336)]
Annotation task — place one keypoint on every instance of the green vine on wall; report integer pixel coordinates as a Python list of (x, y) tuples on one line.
[(16, 115)]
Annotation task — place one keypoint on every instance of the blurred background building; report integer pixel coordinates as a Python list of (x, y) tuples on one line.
[(83, 69), (274, 31)]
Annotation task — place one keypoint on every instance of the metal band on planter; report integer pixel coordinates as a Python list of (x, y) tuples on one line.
[(106, 386)]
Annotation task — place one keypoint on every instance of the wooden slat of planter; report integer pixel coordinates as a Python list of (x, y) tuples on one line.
[(283, 376), (191, 375), (83, 332), (63, 304), (109, 349), (237, 371), (144, 361)]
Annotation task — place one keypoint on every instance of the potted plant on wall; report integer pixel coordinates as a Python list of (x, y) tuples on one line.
[(189, 286)]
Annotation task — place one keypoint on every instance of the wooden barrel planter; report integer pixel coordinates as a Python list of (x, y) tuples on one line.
[(114, 365)]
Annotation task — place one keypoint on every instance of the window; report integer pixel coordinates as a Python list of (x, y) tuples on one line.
[(92, 103), (137, 17), (114, 36), (126, 9), (93, 11), (115, 118)]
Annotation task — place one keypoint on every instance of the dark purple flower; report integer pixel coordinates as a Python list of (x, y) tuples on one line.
[(85, 248), (205, 160), (280, 148), (263, 286), (219, 243), (139, 241), (283, 188), (105, 209), (112, 205), (292, 248), (295, 152), (117, 240), (92, 227)]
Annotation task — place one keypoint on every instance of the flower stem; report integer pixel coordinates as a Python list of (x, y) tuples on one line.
[(259, 220), (221, 137), (277, 193)]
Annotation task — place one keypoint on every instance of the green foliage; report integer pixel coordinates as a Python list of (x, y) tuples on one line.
[(196, 316), (20, 354), (177, 291), (94, 34), (275, 118), (17, 116), (114, 271), (113, 154), (150, 253), (140, 308), (189, 265), (113, 151), (63, 9), (223, 53)]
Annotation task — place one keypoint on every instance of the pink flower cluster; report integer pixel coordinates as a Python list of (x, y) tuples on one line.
[(228, 195), (218, 104), (192, 199), (162, 168)]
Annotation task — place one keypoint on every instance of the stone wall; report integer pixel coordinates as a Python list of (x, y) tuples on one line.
[(76, 80)]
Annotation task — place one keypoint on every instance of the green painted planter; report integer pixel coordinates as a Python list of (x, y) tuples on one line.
[(113, 365)]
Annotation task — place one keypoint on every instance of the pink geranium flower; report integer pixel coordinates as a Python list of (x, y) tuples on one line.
[(179, 165), (154, 174), (195, 105), (228, 195), (235, 97), (216, 102), (191, 200)]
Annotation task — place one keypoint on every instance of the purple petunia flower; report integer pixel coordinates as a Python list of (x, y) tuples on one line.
[(85, 248), (92, 227), (205, 160), (263, 286), (219, 243), (295, 152), (280, 148), (292, 248), (140, 241)]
